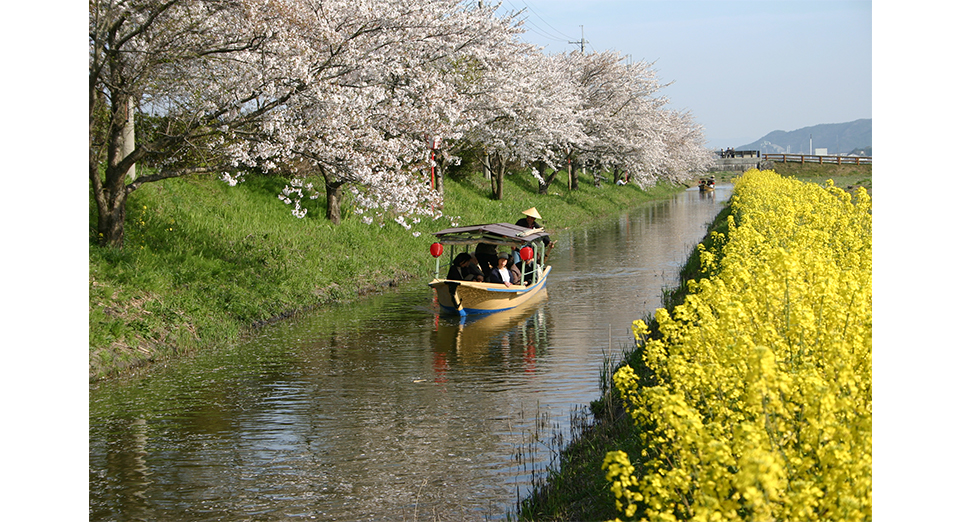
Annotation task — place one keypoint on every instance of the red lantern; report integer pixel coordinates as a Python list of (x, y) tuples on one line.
[(436, 249), (526, 253)]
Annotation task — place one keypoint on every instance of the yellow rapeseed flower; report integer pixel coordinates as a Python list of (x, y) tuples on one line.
[(763, 406)]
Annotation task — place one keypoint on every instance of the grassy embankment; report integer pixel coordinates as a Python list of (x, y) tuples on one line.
[(845, 176), (577, 489), (205, 263)]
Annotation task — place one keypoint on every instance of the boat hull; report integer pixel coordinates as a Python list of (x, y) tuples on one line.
[(469, 298)]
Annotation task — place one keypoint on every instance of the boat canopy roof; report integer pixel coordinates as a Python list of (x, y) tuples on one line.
[(495, 233)]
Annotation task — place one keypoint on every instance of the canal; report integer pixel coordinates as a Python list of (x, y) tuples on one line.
[(382, 409)]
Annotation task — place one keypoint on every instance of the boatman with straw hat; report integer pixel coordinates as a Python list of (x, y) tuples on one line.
[(529, 220)]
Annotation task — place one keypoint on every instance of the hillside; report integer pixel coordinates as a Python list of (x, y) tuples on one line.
[(835, 137)]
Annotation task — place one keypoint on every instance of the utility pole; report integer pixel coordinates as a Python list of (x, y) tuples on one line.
[(581, 42), (129, 137)]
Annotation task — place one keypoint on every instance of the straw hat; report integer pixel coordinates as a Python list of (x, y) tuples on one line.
[(532, 212)]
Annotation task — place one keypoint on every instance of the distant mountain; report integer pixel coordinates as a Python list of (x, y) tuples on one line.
[(835, 137)]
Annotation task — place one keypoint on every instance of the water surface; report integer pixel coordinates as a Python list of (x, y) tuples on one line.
[(383, 409)]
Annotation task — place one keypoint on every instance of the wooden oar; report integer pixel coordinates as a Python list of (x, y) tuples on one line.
[(549, 249)]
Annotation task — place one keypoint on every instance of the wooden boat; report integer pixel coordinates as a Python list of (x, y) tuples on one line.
[(707, 185), (471, 297)]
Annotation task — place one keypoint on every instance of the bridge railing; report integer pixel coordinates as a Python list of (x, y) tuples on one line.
[(730, 153), (811, 158)]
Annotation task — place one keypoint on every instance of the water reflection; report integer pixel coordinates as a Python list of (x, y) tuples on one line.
[(385, 409), (481, 340)]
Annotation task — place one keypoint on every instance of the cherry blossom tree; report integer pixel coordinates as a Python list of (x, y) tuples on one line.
[(369, 124), (687, 151), (628, 128), (342, 88), (523, 110), (202, 68), (619, 109), (353, 93)]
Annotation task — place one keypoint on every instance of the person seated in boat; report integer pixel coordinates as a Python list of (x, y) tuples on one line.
[(473, 273), (486, 255), (530, 268), (516, 277), (460, 267), (502, 274)]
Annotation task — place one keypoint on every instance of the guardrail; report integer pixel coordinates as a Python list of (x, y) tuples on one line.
[(810, 158)]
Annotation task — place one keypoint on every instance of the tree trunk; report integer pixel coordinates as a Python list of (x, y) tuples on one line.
[(111, 198), (111, 212), (541, 167), (334, 190), (501, 169), (494, 164), (547, 181), (485, 164), (574, 178), (439, 173), (110, 192)]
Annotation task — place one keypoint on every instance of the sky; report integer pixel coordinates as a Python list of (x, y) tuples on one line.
[(741, 68)]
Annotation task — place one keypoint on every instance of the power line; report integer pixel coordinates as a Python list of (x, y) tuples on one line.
[(544, 21), (533, 27)]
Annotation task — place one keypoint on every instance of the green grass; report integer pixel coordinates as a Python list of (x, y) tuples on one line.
[(204, 263), (845, 176)]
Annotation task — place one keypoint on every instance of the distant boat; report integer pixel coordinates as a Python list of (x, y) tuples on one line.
[(707, 184), (471, 297)]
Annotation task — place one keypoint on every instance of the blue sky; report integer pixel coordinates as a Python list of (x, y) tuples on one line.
[(742, 68)]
